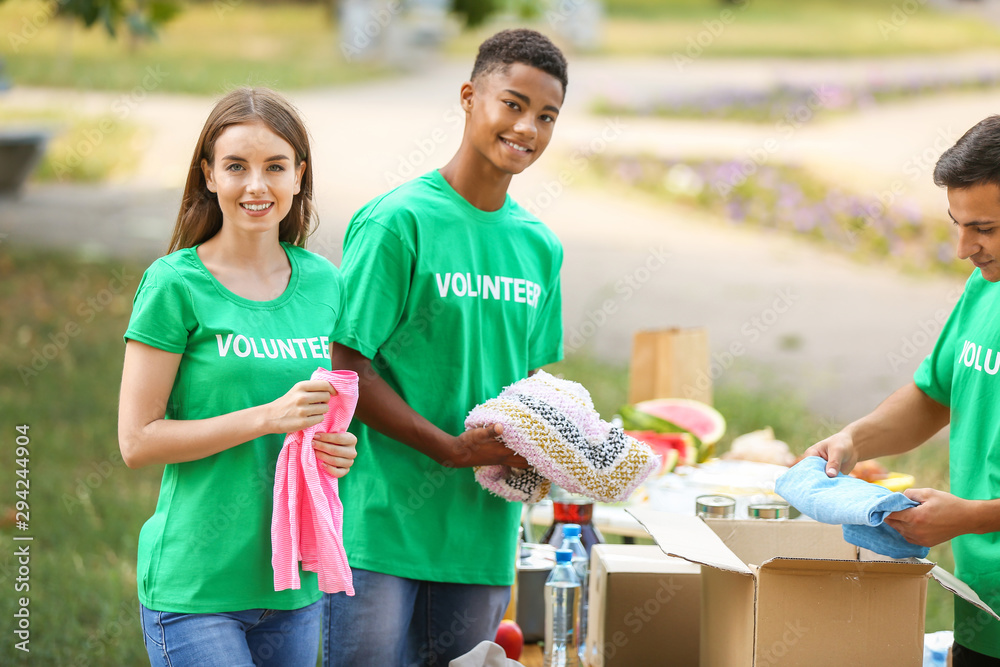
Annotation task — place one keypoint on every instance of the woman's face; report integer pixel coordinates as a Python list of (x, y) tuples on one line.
[(255, 177)]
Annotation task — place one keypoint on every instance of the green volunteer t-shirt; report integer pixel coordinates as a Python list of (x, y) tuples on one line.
[(454, 304), (962, 373), (207, 547)]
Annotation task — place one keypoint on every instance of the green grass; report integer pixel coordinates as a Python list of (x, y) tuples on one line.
[(82, 149), (60, 369), (207, 49), (212, 46), (791, 29), (59, 373), (773, 28)]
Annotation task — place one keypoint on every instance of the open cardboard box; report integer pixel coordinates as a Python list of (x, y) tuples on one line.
[(795, 593)]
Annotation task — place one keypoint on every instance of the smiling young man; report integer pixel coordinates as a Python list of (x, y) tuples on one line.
[(958, 383), (455, 294)]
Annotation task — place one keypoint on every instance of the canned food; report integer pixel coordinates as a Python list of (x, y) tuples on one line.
[(768, 511), (716, 506)]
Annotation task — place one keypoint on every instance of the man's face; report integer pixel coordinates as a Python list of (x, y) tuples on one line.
[(975, 210), (512, 115)]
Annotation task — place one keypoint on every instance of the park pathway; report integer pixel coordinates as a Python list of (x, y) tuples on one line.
[(843, 334)]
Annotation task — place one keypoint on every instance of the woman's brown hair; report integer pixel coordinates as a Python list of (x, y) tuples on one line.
[(200, 217)]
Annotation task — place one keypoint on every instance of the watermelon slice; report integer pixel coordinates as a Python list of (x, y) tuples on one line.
[(702, 420), (668, 461), (637, 420), (674, 448)]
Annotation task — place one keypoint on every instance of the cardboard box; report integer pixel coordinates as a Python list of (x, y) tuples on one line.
[(670, 363), (794, 593), (644, 608)]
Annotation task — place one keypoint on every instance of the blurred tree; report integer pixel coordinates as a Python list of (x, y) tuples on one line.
[(474, 12), (141, 17), (332, 8)]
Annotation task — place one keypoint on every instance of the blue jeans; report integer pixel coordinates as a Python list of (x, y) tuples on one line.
[(397, 622), (258, 637)]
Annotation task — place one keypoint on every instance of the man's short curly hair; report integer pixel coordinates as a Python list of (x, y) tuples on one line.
[(524, 46)]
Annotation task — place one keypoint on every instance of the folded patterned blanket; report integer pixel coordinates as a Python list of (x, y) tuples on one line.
[(552, 423)]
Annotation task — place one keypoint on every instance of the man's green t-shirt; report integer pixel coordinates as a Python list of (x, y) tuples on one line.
[(207, 547), (962, 373), (453, 303)]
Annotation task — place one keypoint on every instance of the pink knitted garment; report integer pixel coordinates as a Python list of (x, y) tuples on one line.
[(552, 423), (308, 518)]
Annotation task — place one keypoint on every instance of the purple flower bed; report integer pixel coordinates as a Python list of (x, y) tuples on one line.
[(787, 198), (784, 101)]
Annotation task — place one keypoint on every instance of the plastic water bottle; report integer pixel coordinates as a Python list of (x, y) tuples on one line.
[(562, 611), (571, 541)]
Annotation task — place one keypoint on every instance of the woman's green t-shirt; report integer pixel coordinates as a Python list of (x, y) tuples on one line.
[(207, 547)]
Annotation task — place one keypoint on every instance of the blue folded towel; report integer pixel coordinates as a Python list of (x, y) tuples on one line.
[(859, 506)]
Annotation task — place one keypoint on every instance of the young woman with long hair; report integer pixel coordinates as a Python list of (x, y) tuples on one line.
[(225, 332)]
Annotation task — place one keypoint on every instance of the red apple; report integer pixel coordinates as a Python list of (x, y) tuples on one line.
[(510, 638)]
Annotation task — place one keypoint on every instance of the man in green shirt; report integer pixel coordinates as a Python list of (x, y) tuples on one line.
[(454, 293), (957, 383)]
